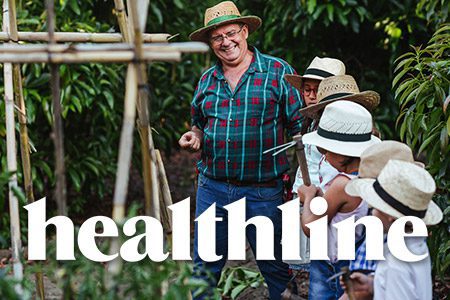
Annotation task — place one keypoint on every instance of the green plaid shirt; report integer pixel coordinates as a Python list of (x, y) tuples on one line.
[(239, 125)]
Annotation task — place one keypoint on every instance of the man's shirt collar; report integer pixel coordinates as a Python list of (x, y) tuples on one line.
[(258, 64)]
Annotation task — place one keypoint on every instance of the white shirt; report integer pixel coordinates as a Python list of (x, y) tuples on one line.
[(396, 279), (320, 171)]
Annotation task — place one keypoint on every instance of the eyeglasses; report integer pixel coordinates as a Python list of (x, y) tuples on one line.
[(308, 91), (218, 39)]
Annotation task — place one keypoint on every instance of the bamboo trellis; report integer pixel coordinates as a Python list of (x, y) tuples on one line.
[(129, 47)]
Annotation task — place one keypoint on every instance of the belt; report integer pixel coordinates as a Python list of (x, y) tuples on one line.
[(270, 183)]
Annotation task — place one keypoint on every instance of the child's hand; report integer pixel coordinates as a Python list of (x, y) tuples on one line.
[(307, 192), (362, 284)]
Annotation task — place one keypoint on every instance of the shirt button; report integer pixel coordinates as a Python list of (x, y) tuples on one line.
[(229, 140), (231, 119), (229, 161), (232, 99)]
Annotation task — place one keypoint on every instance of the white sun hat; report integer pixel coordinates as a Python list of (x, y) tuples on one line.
[(345, 128), (319, 69), (401, 189)]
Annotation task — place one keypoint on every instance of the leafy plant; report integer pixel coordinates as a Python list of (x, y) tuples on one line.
[(438, 241), (11, 288), (422, 88), (234, 281)]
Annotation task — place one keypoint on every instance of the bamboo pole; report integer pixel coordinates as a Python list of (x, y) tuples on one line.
[(58, 134), (81, 37), (151, 185), (88, 57), (16, 243), (126, 143), (165, 188), (20, 102), (122, 19), (24, 140), (187, 47), (123, 168)]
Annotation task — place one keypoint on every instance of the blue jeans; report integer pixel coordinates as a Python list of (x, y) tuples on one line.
[(319, 272), (260, 201)]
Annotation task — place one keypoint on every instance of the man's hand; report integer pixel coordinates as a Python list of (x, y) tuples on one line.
[(362, 285), (308, 192), (191, 140)]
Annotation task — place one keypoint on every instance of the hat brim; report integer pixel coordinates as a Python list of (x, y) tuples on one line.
[(201, 34), (297, 80), (369, 99), (354, 149), (363, 187)]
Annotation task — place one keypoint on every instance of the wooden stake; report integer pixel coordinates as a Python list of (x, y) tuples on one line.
[(20, 102), (122, 20), (151, 187), (87, 57), (188, 47), (81, 37), (16, 243), (123, 169), (58, 135), (24, 140), (165, 188)]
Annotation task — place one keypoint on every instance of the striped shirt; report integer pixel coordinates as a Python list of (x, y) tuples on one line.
[(239, 125)]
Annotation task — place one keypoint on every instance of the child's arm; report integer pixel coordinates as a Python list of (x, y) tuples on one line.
[(335, 196)]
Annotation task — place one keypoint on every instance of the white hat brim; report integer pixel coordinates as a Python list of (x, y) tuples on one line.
[(363, 187), (354, 149), (297, 80)]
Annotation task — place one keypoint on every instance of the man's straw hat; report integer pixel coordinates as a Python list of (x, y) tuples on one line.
[(223, 13), (319, 69), (375, 158), (401, 189), (345, 128), (340, 87)]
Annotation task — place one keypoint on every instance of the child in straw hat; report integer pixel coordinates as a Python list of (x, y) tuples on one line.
[(344, 132), (371, 163), (307, 84), (401, 189), (331, 89)]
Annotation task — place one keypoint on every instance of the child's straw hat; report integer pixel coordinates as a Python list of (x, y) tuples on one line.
[(401, 189), (341, 87)]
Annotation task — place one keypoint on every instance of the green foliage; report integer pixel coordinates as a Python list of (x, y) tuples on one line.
[(91, 96), (12, 288), (5, 233), (234, 281), (438, 241), (422, 87)]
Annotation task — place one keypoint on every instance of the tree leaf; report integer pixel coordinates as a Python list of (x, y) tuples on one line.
[(398, 77), (228, 282), (237, 290), (427, 142), (311, 6)]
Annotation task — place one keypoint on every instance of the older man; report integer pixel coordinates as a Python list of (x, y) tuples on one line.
[(241, 107)]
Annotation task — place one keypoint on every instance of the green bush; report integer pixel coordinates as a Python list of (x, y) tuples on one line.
[(422, 89)]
